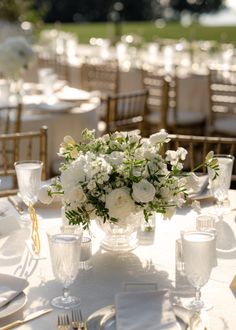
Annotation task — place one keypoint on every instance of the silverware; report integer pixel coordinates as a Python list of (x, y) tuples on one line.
[(26, 319), (77, 320), (16, 205), (63, 322)]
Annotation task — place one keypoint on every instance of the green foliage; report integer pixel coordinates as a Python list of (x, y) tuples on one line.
[(149, 32), (18, 10)]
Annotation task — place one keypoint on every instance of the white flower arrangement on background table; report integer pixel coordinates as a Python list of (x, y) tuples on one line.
[(118, 174), (15, 55)]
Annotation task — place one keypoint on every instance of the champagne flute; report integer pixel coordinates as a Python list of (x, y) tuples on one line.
[(221, 184), (199, 255), (65, 259), (28, 174)]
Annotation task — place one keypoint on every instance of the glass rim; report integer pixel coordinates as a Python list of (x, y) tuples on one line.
[(223, 156), (18, 162), (198, 232)]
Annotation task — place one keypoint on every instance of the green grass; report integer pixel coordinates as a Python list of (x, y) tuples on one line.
[(150, 32)]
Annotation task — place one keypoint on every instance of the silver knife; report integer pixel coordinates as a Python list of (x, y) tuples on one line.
[(26, 319), (16, 205)]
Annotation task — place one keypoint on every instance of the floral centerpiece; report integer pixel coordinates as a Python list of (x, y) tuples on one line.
[(119, 174), (15, 56)]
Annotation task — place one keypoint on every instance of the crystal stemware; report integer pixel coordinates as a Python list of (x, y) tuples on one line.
[(199, 255), (221, 184), (28, 174), (65, 259)]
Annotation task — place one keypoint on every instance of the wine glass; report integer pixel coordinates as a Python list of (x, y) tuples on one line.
[(221, 184), (65, 259), (28, 174), (199, 255)]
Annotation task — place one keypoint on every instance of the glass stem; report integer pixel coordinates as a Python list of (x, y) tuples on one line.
[(198, 295), (65, 293)]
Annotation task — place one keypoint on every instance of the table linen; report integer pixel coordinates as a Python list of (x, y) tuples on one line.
[(152, 261)]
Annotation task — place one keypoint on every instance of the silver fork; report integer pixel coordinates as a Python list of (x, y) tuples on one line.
[(63, 322), (77, 320)]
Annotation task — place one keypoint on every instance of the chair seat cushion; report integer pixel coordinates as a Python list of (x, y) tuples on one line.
[(184, 118), (225, 126)]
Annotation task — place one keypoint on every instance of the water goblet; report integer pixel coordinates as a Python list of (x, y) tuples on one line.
[(221, 184), (199, 254), (28, 174), (65, 259)]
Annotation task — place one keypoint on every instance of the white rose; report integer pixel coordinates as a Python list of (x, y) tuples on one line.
[(159, 137), (143, 191), (44, 195), (119, 203), (75, 194)]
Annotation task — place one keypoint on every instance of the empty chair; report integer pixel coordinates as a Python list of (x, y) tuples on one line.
[(222, 102), (10, 119), (199, 146), (182, 121), (157, 103), (125, 112), (165, 112), (100, 77), (20, 146)]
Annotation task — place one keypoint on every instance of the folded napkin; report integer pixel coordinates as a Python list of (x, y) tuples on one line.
[(149, 310), (201, 187), (10, 287)]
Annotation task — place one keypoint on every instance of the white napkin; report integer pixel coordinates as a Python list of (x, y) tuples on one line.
[(149, 310), (10, 287)]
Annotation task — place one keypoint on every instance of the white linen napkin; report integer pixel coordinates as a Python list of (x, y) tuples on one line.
[(10, 287), (149, 310)]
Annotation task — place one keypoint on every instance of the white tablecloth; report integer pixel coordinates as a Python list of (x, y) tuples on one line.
[(152, 261)]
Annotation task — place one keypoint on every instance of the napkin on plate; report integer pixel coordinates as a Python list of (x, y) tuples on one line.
[(10, 287), (149, 310)]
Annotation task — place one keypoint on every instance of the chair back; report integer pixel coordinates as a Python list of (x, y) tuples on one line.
[(10, 119), (101, 77), (158, 87), (20, 146), (126, 111), (222, 96), (199, 146)]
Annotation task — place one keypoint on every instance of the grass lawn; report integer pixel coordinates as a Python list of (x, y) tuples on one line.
[(149, 31)]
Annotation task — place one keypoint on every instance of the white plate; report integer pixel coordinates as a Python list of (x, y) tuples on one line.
[(104, 319), (73, 94), (56, 107), (14, 305)]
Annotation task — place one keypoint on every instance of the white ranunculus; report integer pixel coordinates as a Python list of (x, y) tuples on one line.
[(143, 191), (44, 195), (119, 203), (159, 137), (115, 158)]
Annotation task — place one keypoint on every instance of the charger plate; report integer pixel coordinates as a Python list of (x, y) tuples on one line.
[(105, 319)]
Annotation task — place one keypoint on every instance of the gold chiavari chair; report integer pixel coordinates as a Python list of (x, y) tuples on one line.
[(222, 102), (181, 121), (163, 106), (125, 112), (199, 146), (100, 77), (20, 146), (157, 102), (10, 118)]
